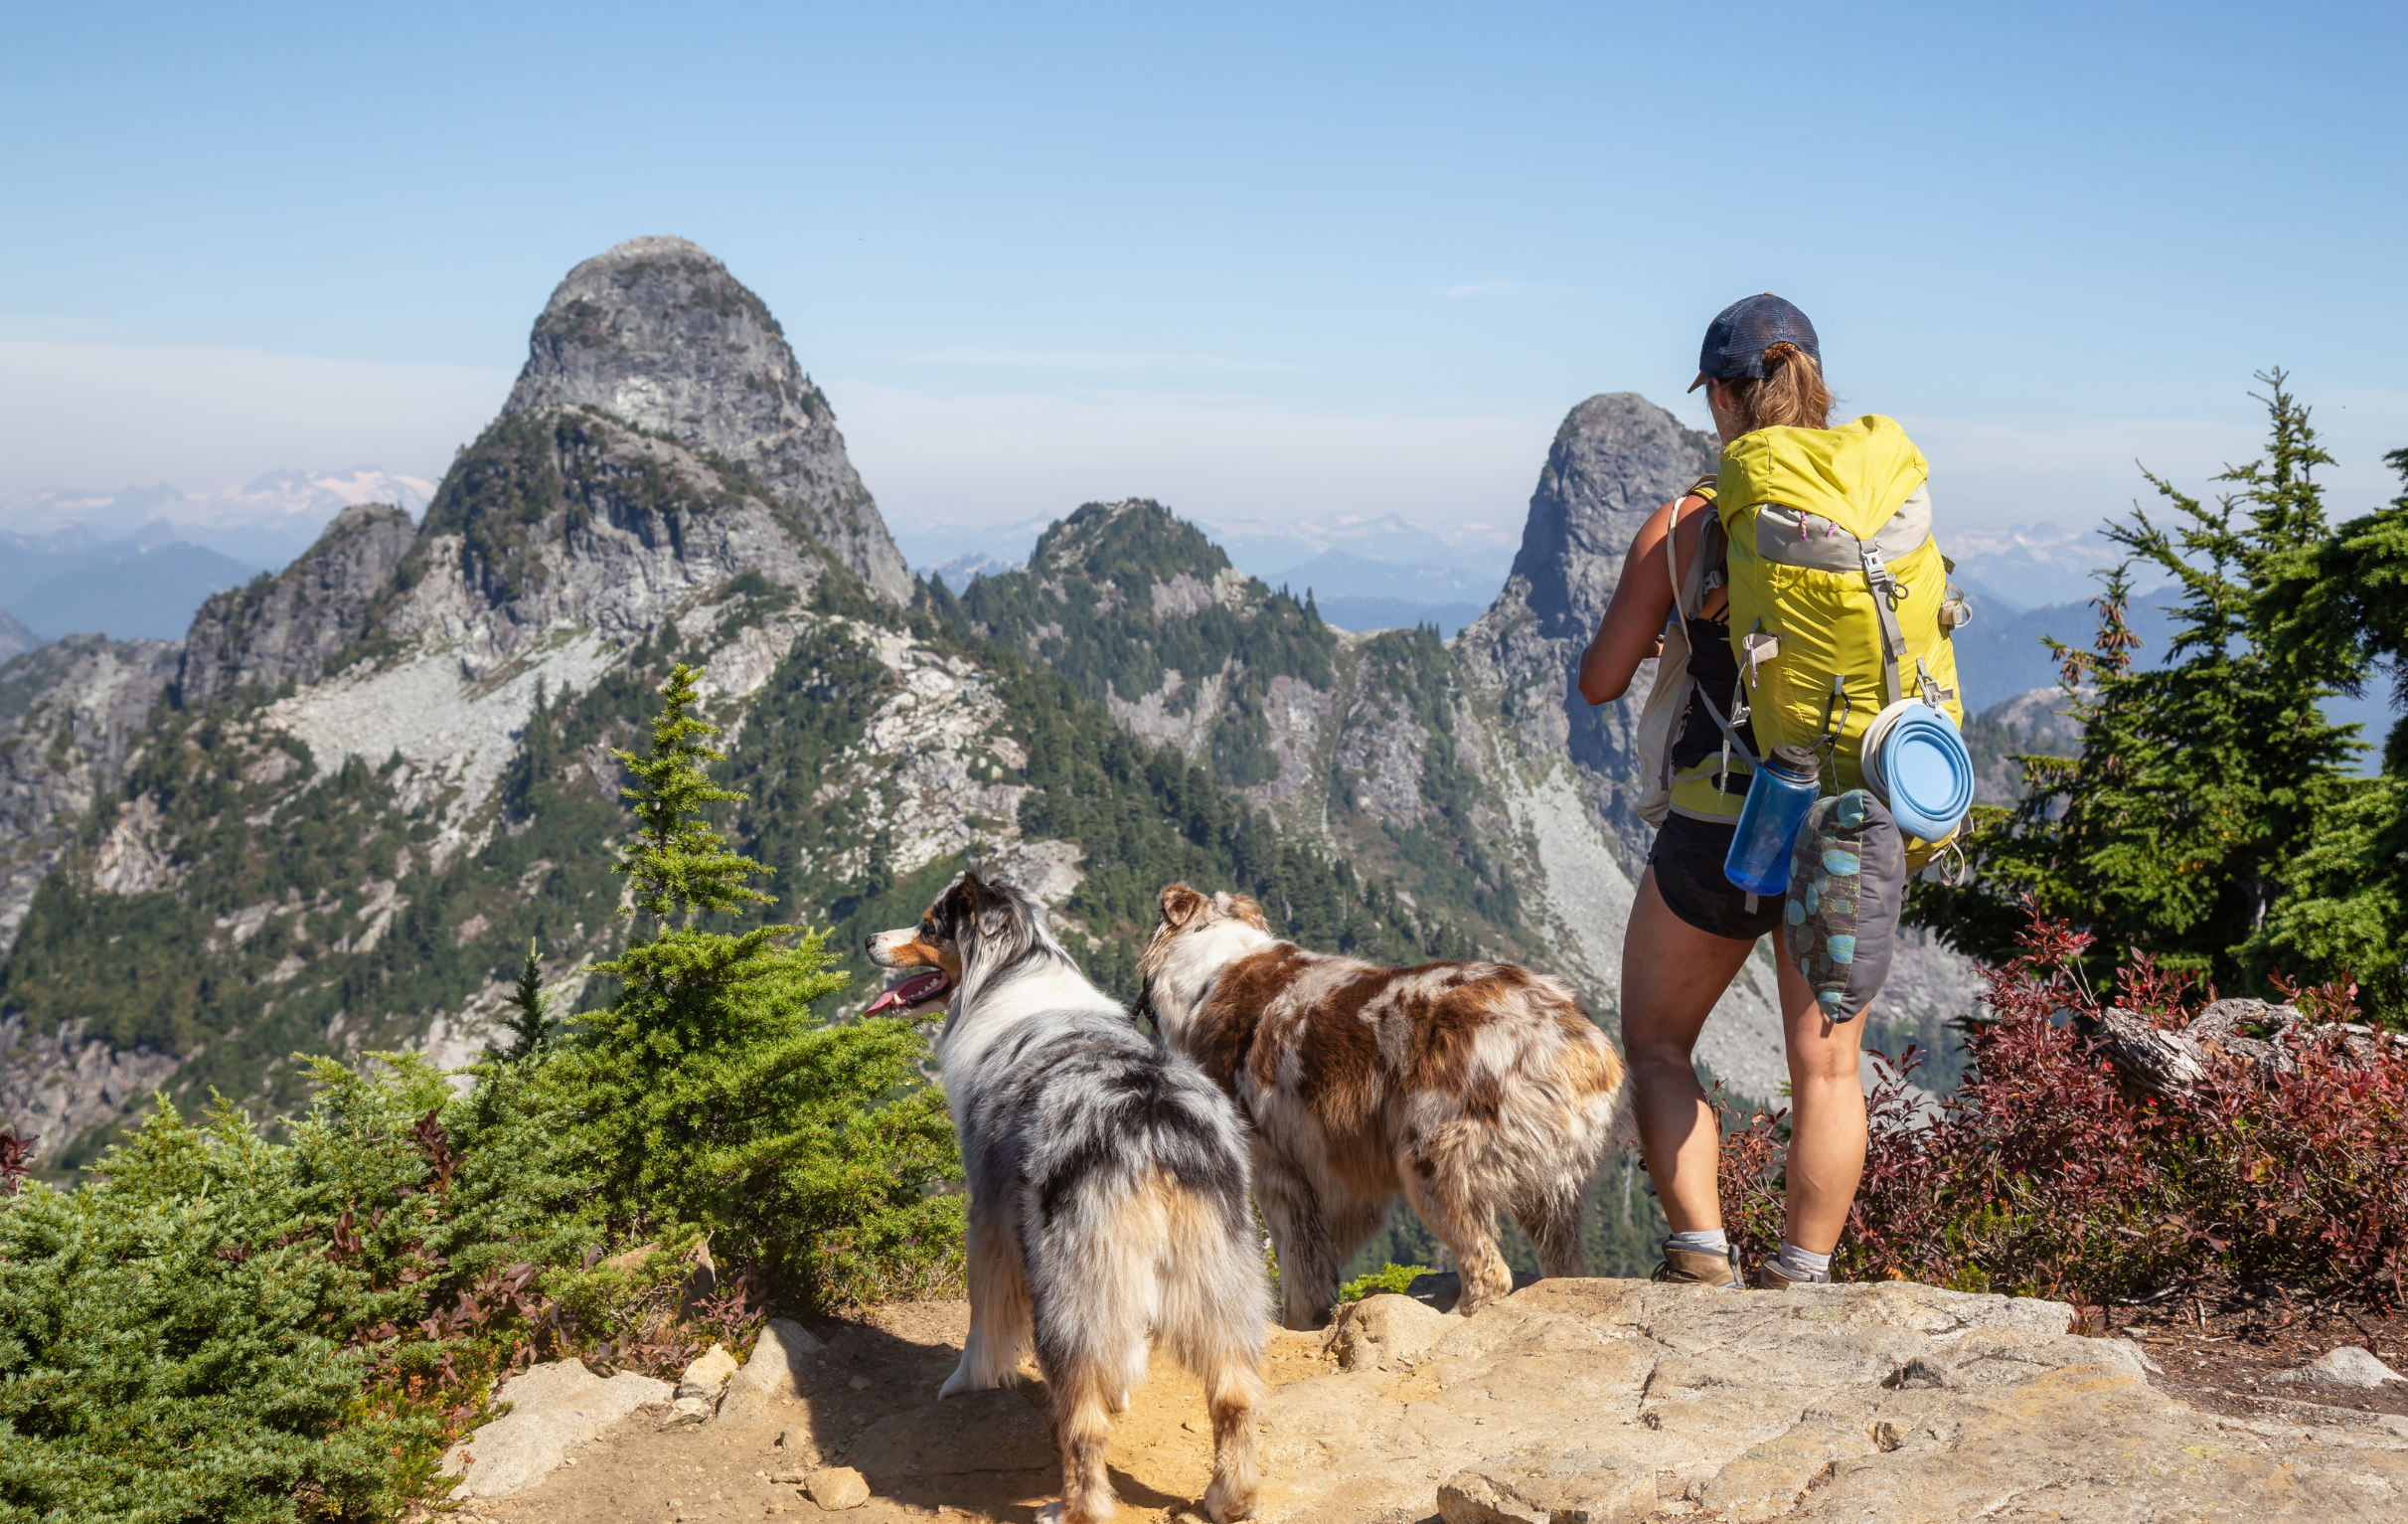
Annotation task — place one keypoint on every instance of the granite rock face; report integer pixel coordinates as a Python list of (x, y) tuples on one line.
[(71, 719), (1896, 1402), (657, 333), (1616, 458), (69, 716), (288, 630)]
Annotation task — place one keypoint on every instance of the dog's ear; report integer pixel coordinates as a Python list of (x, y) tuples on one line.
[(1179, 905), (1239, 907), (991, 904), (955, 907)]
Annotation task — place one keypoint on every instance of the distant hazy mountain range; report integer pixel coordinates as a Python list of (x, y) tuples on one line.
[(266, 522), (1364, 573), (136, 562), (127, 590)]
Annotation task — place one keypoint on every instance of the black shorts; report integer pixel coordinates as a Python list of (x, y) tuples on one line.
[(1687, 859)]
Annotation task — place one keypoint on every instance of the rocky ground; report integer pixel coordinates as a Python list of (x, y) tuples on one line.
[(1572, 1400)]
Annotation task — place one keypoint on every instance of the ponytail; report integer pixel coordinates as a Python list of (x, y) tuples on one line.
[(1791, 394)]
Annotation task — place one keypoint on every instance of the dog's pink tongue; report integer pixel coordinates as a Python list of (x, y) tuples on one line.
[(908, 994)]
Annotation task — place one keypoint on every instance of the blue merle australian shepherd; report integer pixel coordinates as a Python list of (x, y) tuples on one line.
[(1107, 1191)]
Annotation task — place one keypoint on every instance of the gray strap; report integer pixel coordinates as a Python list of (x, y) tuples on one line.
[(1886, 595), (1688, 593), (1731, 731), (1674, 625)]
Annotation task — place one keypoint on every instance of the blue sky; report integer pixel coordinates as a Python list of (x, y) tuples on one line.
[(1260, 262)]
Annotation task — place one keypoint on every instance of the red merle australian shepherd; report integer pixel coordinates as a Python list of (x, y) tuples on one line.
[(1107, 1191), (1469, 1086)]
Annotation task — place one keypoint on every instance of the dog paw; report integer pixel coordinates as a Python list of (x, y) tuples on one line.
[(1222, 1507), (956, 1384)]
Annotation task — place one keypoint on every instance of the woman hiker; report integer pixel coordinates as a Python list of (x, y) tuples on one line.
[(1691, 927)]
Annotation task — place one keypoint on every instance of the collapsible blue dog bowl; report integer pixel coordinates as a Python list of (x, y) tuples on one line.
[(1917, 765)]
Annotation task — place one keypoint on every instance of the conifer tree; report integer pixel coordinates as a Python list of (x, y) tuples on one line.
[(2202, 785), (711, 1095), (2347, 912), (530, 1019), (2365, 569)]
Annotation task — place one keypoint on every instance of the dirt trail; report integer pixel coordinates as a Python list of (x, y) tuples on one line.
[(886, 1364)]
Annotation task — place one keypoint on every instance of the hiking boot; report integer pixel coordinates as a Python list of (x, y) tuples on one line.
[(1771, 1278), (1699, 1267)]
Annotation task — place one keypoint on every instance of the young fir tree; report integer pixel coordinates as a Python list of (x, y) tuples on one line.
[(2203, 782), (709, 1095), (530, 1019), (2347, 910)]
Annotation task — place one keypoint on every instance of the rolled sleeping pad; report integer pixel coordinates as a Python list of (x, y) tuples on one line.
[(1916, 763)]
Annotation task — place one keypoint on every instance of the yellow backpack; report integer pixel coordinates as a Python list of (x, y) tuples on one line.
[(1840, 607)]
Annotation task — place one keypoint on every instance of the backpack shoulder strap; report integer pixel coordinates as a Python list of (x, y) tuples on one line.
[(1703, 568)]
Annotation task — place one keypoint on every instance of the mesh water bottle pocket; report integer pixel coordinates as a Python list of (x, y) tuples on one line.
[(1846, 880)]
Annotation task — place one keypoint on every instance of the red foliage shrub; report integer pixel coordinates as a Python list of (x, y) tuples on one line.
[(2051, 1173)]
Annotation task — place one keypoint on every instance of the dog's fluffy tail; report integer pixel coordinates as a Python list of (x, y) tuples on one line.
[(1167, 1260)]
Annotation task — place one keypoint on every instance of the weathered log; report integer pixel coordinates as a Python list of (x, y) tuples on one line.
[(2163, 1063)]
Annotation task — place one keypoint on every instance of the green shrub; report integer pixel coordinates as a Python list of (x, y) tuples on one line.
[(221, 1327), (178, 1339), (1388, 1277)]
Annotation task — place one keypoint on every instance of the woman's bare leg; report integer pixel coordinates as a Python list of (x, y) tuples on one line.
[(1827, 1116), (1671, 976)]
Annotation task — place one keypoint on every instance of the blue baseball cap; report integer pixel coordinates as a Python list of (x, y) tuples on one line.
[(1740, 333)]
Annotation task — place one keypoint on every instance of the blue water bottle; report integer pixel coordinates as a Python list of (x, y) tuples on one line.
[(1786, 782)]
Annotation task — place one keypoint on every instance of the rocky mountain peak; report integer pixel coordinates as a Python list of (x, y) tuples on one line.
[(1135, 539), (289, 627), (657, 333), (1616, 458)]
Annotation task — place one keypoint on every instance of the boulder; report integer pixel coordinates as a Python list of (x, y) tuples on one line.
[(1383, 1331), (702, 1279), (837, 1487), (2344, 1366), (698, 1389), (552, 1407), (2001, 1357), (775, 1374)]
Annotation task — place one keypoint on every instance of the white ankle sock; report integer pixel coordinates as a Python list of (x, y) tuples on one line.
[(1712, 1242), (1803, 1263)]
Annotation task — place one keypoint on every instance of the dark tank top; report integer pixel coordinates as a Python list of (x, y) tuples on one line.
[(1716, 672)]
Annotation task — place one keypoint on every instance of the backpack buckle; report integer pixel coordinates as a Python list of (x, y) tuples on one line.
[(1877, 573), (1933, 694)]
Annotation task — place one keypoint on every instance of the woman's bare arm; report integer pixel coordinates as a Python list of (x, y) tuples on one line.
[(1633, 626)]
